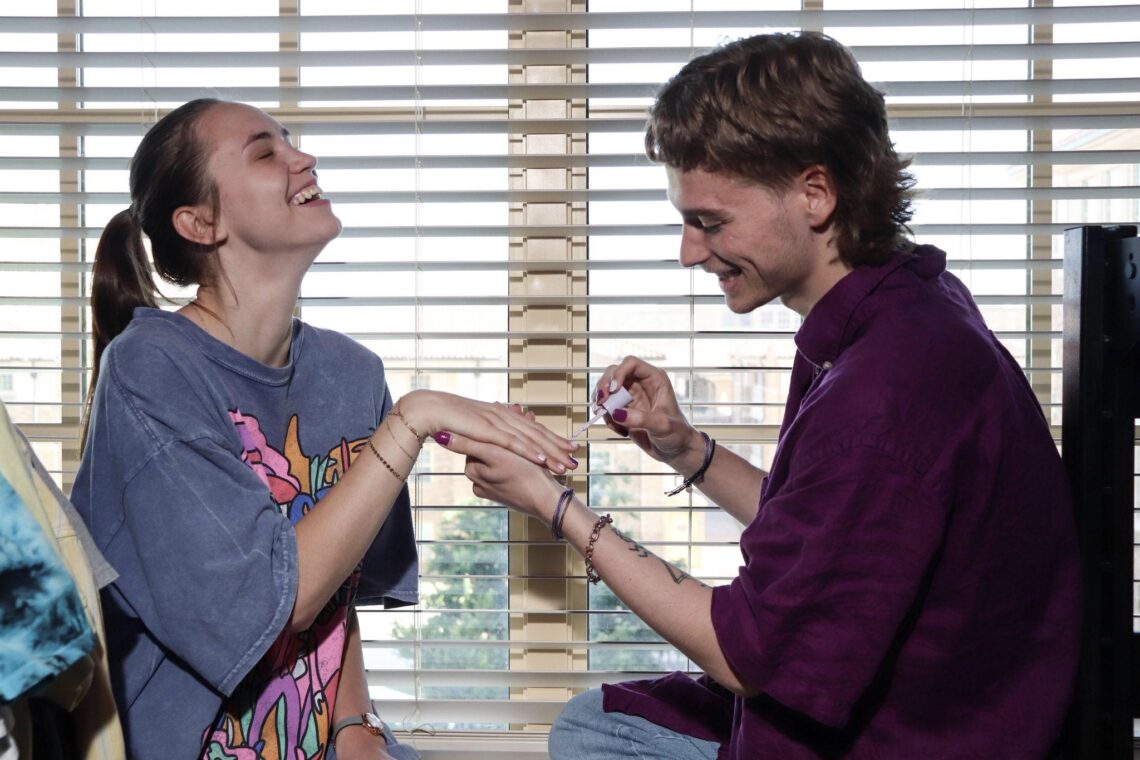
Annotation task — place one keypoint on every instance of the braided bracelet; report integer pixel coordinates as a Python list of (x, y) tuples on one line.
[(592, 574), (699, 475), (560, 513)]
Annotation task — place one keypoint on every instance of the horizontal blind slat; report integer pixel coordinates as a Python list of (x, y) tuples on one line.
[(538, 56), (546, 21), (468, 92), (588, 196), (593, 160)]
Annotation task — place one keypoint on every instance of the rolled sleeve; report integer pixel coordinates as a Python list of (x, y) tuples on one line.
[(833, 564), (216, 574)]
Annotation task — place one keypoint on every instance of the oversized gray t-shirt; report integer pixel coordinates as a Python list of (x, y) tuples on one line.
[(198, 462)]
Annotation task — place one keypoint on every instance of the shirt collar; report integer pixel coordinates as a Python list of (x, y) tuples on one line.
[(826, 330)]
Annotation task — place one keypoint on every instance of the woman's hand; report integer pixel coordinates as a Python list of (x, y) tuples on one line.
[(653, 420), (445, 415)]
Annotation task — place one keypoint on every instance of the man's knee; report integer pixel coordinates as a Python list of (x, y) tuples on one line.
[(577, 726)]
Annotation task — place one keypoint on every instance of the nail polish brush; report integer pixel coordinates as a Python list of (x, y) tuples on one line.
[(619, 400)]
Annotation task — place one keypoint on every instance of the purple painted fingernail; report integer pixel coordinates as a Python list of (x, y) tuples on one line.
[(442, 437), (573, 461), (619, 415), (601, 394)]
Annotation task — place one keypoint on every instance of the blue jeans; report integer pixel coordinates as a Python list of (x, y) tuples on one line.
[(584, 731)]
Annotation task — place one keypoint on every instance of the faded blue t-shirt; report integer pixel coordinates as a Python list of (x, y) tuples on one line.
[(198, 462)]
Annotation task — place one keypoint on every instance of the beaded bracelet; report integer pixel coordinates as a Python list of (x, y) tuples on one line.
[(699, 475), (384, 462), (592, 574), (560, 513)]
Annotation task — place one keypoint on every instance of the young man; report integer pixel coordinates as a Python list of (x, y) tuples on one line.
[(909, 586)]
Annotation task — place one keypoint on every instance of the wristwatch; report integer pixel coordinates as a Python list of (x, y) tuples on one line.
[(368, 721)]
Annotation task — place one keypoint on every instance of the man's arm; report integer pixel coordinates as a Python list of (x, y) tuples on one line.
[(730, 482), (669, 600)]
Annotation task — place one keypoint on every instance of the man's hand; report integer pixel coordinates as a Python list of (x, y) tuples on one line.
[(653, 420)]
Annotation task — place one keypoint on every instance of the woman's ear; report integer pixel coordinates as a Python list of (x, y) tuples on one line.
[(818, 188), (194, 224)]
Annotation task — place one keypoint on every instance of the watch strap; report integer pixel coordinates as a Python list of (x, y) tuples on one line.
[(368, 721)]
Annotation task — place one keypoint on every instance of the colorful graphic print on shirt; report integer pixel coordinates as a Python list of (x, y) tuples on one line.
[(283, 709)]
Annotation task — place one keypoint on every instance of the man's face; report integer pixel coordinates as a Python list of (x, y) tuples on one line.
[(758, 242)]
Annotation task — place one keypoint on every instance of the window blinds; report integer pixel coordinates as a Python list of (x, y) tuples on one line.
[(506, 238)]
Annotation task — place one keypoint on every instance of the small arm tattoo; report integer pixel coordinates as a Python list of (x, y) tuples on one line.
[(678, 575)]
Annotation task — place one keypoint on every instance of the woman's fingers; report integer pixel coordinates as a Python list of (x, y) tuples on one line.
[(508, 428), (533, 441)]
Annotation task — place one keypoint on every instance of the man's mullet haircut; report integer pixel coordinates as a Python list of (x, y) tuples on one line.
[(765, 108)]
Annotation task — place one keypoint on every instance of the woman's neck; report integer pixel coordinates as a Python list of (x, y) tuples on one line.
[(259, 328)]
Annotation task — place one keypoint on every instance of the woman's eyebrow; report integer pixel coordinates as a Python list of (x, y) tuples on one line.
[(265, 136)]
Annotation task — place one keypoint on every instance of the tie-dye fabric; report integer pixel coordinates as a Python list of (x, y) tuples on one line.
[(199, 462), (43, 630)]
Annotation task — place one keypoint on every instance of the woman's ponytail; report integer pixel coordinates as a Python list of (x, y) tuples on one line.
[(168, 171), (120, 281)]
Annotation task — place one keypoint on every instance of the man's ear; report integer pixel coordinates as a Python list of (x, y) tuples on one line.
[(820, 199), (196, 225)]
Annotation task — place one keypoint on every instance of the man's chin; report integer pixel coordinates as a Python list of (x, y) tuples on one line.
[(739, 305)]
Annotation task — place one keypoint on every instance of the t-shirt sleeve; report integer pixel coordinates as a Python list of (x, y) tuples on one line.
[(834, 563), (389, 571), (216, 575)]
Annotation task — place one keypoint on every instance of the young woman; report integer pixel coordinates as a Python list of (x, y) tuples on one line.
[(243, 471)]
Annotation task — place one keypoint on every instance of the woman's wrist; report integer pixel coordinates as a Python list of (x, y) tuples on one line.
[(413, 410), (357, 741)]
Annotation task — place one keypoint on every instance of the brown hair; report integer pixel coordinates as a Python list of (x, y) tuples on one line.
[(167, 171), (765, 108)]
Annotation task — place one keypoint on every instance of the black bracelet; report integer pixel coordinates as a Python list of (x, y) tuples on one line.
[(699, 475), (560, 513)]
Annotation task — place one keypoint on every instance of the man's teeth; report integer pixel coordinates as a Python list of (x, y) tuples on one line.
[(310, 192)]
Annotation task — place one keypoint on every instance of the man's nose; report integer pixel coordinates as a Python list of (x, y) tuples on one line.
[(694, 250)]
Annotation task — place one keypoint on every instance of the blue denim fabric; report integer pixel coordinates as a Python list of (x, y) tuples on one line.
[(584, 731)]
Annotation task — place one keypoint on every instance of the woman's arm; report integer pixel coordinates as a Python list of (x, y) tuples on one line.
[(352, 699), (332, 538)]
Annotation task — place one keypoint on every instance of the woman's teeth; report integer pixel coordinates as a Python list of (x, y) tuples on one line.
[(306, 195)]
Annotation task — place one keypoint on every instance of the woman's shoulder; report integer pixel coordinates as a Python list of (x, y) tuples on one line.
[(157, 375), (153, 344)]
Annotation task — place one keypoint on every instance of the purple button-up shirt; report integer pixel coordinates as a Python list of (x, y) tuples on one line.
[(910, 586)]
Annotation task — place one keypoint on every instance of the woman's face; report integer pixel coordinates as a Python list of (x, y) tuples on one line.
[(269, 199)]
